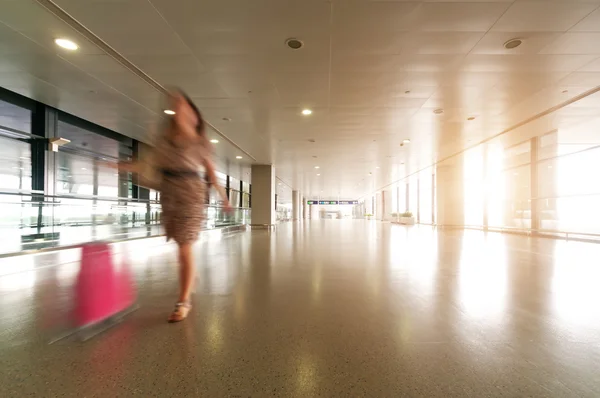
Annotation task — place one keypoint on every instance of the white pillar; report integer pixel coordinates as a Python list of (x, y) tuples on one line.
[(304, 214), (386, 205), (263, 195), (449, 194), (378, 212), (295, 205)]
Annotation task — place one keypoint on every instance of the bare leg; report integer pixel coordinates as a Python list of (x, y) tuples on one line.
[(186, 283), (186, 272)]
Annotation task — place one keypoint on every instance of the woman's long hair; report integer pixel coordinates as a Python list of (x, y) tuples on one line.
[(200, 127)]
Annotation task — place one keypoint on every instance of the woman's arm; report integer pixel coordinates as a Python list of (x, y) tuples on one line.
[(212, 179)]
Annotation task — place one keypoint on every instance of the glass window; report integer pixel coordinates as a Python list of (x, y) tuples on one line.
[(473, 186), (402, 205), (569, 140), (15, 164), (517, 209), (234, 198), (75, 174), (15, 117), (394, 190), (246, 201), (495, 186), (87, 142), (568, 202), (517, 155), (245, 187), (413, 192), (108, 182)]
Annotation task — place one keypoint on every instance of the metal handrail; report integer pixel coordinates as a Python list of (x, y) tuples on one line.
[(522, 230), (131, 200)]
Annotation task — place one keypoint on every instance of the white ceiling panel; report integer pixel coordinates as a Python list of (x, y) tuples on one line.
[(458, 17), (533, 42), (590, 23), (543, 16), (575, 43), (371, 71)]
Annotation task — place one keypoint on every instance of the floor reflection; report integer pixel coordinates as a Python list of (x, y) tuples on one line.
[(396, 310)]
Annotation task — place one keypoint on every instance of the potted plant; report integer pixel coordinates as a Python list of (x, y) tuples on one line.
[(407, 218), (395, 218), (368, 216)]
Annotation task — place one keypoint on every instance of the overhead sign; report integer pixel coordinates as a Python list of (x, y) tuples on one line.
[(331, 202)]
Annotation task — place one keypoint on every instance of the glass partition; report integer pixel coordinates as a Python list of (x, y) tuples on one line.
[(52, 221)]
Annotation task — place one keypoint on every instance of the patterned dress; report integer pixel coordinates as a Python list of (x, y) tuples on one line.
[(182, 189)]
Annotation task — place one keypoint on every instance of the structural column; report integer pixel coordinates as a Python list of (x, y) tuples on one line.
[(386, 205), (449, 193), (263, 196), (295, 205)]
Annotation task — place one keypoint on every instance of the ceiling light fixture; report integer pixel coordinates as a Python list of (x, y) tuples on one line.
[(318, 175), (226, 119), (238, 157), (513, 43), (169, 112), (470, 118), (377, 167), (407, 141), (306, 112), (66, 44), (317, 167), (438, 111), (214, 141), (294, 44)]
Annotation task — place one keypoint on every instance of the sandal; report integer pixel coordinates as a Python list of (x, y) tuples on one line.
[(180, 312)]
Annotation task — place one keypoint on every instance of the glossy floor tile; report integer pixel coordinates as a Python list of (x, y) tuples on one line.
[(327, 308)]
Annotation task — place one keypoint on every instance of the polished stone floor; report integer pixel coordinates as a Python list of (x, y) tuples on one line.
[(328, 308)]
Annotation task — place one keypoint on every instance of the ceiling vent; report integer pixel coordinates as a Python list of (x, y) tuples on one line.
[(513, 43), (294, 44)]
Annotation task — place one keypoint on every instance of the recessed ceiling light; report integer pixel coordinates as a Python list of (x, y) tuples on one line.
[(214, 141), (565, 91), (438, 111), (513, 43), (83, 168), (377, 167), (407, 141), (226, 119), (169, 112), (317, 167), (238, 157), (318, 175), (294, 44), (471, 118), (407, 92), (306, 112), (66, 44)]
